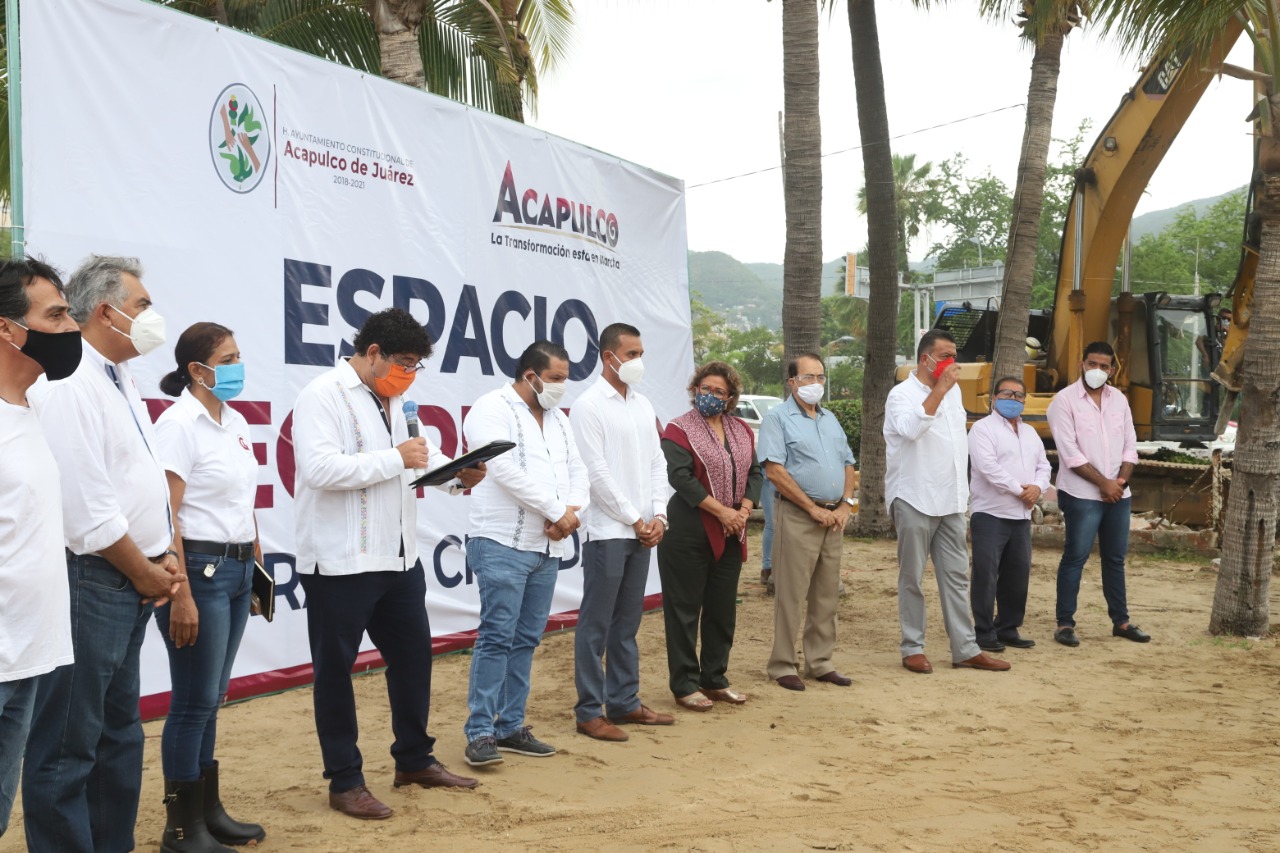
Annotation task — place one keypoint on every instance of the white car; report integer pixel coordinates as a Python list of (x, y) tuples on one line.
[(753, 407)]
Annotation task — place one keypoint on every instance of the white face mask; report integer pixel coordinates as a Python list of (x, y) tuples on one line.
[(147, 331), (549, 396), (811, 394), (1096, 378), (630, 372)]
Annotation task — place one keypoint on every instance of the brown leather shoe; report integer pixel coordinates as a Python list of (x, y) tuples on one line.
[(434, 775), (601, 729), (790, 682), (983, 662), (645, 716), (917, 663), (836, 678), (359, 803)]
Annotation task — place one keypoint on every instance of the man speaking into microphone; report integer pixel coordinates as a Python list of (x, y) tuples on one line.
[(356, 523)]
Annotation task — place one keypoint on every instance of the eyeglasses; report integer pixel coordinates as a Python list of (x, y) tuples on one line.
[(1006, 394), (718, 393), (411, 366), (810, 378)]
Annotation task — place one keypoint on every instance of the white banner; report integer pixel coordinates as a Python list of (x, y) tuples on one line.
[(289, 198)]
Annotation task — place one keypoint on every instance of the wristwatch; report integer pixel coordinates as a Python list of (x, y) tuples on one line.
[(852, 502), (666, 525)]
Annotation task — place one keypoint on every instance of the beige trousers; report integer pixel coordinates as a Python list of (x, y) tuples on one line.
[(806, 568)]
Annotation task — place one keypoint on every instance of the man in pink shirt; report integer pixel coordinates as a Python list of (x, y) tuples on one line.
[(1008, 473), (1097, 450)]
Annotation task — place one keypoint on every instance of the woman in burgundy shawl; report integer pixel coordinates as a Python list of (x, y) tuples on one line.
[(711, 465)]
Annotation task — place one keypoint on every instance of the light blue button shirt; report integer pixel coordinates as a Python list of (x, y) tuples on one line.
[(814, 451)]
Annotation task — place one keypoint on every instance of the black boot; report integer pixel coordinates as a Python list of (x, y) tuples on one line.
[(186, 832), (221, 825)]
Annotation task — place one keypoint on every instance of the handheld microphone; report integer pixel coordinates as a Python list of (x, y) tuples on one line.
[(411, 421)]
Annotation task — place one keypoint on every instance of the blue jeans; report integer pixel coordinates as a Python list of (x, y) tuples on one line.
[(16, 699), (767, 491), (614, 574), (1086, 520), (200, 673), (83, 771), (515, 599)]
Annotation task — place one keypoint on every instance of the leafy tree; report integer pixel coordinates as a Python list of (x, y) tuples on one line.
[(914, 204), (970, 208), (708, 328), (1167, 260)]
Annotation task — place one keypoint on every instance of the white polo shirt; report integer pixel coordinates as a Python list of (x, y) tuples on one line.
[(112, 480), (35, 632), (217, 464), (619, 443), (530, 484)]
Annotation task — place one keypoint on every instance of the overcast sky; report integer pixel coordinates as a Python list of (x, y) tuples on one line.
[(693, 88)]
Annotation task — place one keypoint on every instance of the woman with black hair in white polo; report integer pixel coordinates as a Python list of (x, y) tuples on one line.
[(213, 474)]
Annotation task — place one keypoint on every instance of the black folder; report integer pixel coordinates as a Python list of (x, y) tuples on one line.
[(446, 472), (262, 597)]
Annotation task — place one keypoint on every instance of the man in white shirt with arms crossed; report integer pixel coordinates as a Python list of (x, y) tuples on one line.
[(83, 771), (617, 433)]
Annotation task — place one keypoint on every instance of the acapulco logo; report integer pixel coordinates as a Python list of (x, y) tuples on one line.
[(239, 139), (545, 211)]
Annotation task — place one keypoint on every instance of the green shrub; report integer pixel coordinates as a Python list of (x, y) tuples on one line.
[(849, 413)]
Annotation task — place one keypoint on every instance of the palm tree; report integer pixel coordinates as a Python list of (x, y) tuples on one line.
[(913, 192), (882, 252), (1163, 27), (802, 179), (1045, 27)]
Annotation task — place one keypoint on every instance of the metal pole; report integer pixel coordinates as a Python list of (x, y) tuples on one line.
[(12, 42)]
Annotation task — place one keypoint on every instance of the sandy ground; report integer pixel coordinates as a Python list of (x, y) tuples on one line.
[(1172, 745)]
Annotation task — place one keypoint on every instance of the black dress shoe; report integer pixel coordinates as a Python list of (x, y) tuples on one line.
[(1067, 636), (1019, 642), (991, 645), (1131, 632)]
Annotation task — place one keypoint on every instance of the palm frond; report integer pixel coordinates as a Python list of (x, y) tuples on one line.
[(1150, 28), (548, 25), (338, 30)]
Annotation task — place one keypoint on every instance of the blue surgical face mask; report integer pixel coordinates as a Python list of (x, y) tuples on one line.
[(708, 405), (1010, 408), (228, 380)]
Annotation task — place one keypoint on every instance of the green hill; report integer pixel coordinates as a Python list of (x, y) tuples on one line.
[(745, 294)]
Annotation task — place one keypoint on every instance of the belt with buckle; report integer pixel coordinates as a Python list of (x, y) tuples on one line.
[(234, 550), (823, 504)]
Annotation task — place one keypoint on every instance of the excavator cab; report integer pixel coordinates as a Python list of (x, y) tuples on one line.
[(1173, 347)]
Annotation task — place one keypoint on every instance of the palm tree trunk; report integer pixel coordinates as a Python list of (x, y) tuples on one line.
[(802, 180), (1028, 199), (1249, 535), (882, 251), (397, 23)]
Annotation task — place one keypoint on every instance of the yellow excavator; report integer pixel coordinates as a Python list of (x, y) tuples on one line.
[(1178, 356), (1166, 345)]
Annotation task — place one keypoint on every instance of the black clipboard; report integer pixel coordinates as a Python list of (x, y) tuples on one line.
[(262, 596), (446, 472)]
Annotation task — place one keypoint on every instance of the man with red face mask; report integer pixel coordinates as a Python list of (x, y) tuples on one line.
[(926, 487), (357, 553)]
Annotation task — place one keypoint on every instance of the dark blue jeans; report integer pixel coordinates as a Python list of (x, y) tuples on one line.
[(16, 698), (200, 672), (83, 770), (1085, 521)]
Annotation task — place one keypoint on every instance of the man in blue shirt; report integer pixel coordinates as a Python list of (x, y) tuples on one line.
[(806, 457)]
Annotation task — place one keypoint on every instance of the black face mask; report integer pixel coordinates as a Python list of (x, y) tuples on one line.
[(57, 352)]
